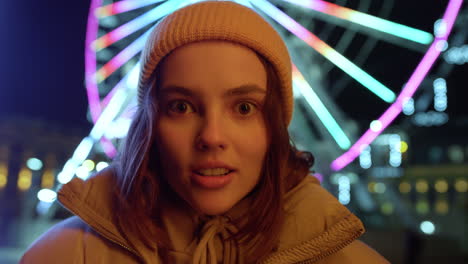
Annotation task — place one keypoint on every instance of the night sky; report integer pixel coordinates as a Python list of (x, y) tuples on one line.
[(42, 57), (42, 62)]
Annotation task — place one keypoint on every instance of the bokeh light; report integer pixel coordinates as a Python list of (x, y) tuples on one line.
[(34, 164), (461, 185), (422, 186), (88, 164), (441, 186), (387, 208), (403, 146), (404, 187), (422, 207), (441, 207), (24, 179), (427, 227)]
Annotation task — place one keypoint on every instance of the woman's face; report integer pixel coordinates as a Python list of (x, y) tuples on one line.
[(212, 138)]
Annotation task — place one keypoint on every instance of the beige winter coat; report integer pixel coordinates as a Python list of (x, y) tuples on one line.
[(318, 229)]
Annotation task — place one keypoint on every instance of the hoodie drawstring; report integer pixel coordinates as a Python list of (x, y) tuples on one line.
[(206, 251)]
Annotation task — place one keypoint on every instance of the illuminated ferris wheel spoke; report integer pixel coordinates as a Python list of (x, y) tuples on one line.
[(328, 52), (301, 85), (244, 2), (136, 24), (366, 20), (123, 6), (122, 57), (408, 91), (129, 82)]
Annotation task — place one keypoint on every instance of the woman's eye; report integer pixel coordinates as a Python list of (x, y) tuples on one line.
[(180, 107), (246, 108)]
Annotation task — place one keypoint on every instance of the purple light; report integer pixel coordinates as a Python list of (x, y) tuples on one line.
[(123, 56), (90, 76), (125, 5), (410, 88), (90, 63)]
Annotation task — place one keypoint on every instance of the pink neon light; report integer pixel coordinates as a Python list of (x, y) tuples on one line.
[(325, 7), (122, 57), (90, 63), (122, 6), (410, 88), (90, 76), (300, 31)]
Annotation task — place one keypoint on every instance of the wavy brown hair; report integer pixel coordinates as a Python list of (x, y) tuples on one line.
[(140, 187)]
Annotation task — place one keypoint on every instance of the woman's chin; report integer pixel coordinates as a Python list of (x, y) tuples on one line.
[(212, 209)]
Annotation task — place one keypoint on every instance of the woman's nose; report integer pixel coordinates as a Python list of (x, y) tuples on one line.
[(211, 134)]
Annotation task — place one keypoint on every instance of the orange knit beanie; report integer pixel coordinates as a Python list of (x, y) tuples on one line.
[(218, 20)]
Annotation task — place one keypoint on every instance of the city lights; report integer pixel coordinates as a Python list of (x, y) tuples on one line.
[(47, 195), (82, 172), (101, 165), (24, 179), (457, 55), (441, 207), (344, 190), (422, 207), (48, 179), (395, 157), (408, 106), (440, 95), (3, 175), (427, 227), (387, 208), (404, 187), (403, 146), (365, 158), (88, 164), (380, 187), (461, 185), (34, 164), (441, 186), (422, 186)]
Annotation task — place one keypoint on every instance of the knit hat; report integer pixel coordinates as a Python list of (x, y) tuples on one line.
[(218, 20)]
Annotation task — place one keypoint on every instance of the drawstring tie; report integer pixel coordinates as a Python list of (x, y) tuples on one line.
[(219, 225)]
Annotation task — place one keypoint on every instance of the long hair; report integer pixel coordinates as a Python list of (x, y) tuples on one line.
[(140, 185)]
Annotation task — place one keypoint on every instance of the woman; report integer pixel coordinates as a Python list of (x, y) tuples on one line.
[(207, 173)]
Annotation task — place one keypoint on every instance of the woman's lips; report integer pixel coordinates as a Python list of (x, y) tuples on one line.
[(211, 182)]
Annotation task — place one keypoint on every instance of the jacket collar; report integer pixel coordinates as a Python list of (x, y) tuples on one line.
[(316, 224), (91, 200)]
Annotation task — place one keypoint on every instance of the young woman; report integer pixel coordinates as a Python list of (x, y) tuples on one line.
[(207, 173)]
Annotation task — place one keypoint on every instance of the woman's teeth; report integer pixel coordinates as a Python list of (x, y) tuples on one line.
[(213, 172)]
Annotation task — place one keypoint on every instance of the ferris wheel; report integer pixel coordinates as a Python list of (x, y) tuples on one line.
[(117, 31)]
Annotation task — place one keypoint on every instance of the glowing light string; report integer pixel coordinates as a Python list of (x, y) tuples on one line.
[(136, 24), (320, 109), (328, 52), (122, 57), (367, 20), (410, 88), (122, 6)]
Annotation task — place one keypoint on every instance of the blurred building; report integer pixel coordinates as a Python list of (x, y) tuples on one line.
[(32, 153)]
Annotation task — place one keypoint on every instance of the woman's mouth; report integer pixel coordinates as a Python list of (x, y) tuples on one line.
[(213, 178), (213, 172)]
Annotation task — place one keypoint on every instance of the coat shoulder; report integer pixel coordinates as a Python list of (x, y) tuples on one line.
[(63, 241), (355, 253)]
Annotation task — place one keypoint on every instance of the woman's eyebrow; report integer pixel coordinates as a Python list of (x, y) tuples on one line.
[(245, 89), (174, 89), (237, 91)]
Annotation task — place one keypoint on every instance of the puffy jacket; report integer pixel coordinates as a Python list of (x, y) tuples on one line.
[(317, 229)]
